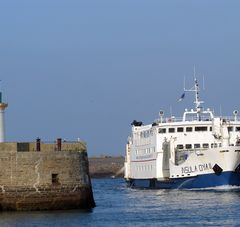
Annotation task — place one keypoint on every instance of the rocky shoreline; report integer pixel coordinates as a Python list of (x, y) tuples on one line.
[(106, 166)]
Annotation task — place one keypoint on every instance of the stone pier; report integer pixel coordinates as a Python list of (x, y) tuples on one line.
[(49, 179)]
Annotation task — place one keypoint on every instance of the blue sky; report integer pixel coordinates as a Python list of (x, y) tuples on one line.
[(86, 69)]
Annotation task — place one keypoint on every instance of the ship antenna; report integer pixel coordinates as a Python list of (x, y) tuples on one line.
[(184, 83), (204, 83), (220, 108), (196, 90)]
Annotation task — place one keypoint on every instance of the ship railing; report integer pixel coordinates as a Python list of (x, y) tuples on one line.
[(194, 118), (230, 118), (180, 119)]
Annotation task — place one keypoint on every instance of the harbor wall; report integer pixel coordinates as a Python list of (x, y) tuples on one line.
[(44, 180)]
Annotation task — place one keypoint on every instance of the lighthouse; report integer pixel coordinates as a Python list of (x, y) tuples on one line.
[(3, 106)]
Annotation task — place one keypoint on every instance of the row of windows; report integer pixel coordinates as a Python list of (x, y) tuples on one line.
[(145, 151), (187, 129), (146, 134), (231, 129), (196, 129), (144, 168), (198, 145)]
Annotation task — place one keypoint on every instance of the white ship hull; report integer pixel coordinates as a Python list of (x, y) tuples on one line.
[(205, 169)]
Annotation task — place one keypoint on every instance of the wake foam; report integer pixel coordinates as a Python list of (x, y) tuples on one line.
[(217, 188)]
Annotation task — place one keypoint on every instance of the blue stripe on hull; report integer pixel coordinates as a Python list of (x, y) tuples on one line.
[(201, 181)]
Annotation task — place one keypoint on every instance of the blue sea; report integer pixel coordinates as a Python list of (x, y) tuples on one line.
[(118, 205)]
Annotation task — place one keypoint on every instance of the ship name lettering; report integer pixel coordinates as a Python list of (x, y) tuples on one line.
[(203, 167), (189, 169), (196, 168)]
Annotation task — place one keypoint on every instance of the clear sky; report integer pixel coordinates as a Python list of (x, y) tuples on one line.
[(86, 69)]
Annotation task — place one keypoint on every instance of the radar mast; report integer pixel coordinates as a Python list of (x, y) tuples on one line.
[(196, 90)]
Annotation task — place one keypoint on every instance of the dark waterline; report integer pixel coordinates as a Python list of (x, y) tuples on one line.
[(118, 205)]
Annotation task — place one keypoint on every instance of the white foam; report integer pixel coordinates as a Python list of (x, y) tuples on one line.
[(218, 188)]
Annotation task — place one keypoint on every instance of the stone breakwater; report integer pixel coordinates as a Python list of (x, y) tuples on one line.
[(44, 177)]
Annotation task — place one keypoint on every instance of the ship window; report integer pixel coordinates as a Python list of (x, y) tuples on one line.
[(230, 129), (237, 129), (145, 134), (188, 146), (200, 129), (189, 129), (179, 146), (213, 145), (162, 130), (171, 130), (197, 145), (205, 145), (223, 151), (180, 129)]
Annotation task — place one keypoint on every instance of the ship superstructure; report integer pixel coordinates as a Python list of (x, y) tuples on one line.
[(198, 150)]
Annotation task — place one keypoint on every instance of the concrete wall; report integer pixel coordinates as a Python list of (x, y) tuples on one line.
[(56, 179)]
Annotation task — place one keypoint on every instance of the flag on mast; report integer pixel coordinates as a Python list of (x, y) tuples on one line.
[(182, 97)]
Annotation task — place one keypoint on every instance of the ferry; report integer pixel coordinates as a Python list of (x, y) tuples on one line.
[(199, 150)]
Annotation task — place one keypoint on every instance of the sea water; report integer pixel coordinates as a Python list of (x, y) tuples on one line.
[(118, 205)]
